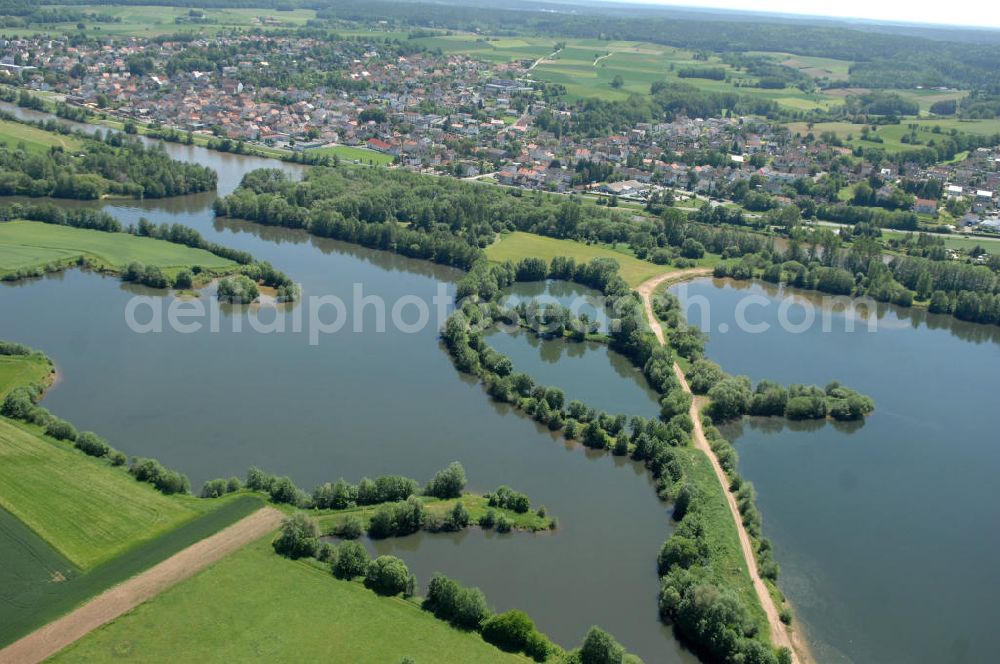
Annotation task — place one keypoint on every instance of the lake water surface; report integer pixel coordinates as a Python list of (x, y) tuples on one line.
[(214, 403), (887, 534)]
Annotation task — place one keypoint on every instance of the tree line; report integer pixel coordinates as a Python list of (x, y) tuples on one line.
[(116, 164)]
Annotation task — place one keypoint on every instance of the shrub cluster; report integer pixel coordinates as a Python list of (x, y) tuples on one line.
[(166, 480)]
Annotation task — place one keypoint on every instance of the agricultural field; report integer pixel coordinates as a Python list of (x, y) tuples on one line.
[(36, 141), (16, 370), (256, 605), (150, 21), (814, 66), (84, 509), (354, 154), (587, 66), (26, 244), (30, 567), (518, 245), (891, 135), (37, 584)]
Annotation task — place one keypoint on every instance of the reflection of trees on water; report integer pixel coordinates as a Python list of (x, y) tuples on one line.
[(383, 259), (774, 425), (917, 317)]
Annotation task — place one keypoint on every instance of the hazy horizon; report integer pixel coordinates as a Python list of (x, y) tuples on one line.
[(963, 14)]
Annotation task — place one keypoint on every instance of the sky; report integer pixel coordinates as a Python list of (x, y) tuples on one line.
[(975, 13)]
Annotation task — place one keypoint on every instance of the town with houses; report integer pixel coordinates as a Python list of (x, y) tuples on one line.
[(459, 116)]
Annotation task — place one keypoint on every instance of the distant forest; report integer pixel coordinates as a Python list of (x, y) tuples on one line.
[(933, 57)]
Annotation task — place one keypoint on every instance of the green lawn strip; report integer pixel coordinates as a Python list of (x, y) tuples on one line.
[(257, 606), (36, 141), (518, 245), (33, 243), (18, 370), (350, 153), (475, 504), (87, 510), (728, 568), (56, 599)]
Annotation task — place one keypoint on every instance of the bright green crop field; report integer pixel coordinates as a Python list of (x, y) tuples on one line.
[(84, 509)]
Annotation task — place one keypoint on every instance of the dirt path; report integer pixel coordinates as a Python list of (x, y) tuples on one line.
[(779, 633), (544, 58), (47, 641)]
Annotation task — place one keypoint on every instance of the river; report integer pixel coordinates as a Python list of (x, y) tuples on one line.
[(887, 533), (212, 403)]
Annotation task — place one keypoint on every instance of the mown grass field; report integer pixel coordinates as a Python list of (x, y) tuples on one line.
[(16, 370), (476, 505), (31, 243), (40, 596), (257, 606), (891, 135), (360, 155), (36, 141), (518, 245), (82, 507), (989, 244)]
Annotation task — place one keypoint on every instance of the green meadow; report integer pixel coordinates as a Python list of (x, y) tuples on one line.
[(360, 155), (35, 140), (83, 508), (257, 606), (17, 370), (518, 245), (892, 135), (25, 244)]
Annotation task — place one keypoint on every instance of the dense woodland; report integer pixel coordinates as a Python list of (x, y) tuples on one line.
[(114, 164)]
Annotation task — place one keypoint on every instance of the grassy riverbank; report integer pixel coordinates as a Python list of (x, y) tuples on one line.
[(36, 141), (256, 605), (17, 370), (26, 245)]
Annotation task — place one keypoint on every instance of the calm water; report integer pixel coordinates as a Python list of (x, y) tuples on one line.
[(887, 534), (584, 370), (213, 403), (582, 301)]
